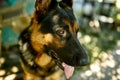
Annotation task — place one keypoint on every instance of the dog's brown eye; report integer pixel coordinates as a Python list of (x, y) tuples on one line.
[(61, 32)]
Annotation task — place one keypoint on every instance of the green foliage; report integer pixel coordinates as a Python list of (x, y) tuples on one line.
[(97, 41)]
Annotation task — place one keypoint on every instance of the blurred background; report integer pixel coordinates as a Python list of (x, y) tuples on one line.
[(99, 22)]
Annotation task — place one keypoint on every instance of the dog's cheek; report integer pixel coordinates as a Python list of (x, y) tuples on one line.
[(48, 38), (53, 41), (44, 60), (37, 41)]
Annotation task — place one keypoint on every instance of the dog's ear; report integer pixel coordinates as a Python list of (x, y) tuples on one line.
[(42, 7), (68, 2), (65, 3)]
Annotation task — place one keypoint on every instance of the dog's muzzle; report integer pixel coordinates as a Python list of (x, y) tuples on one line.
[(68, 69), (56, 58)]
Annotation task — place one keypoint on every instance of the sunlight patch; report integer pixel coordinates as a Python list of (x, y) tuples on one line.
[(118, 52), (88, 73), (118, 42), (104, 55), (10, 77), (110, 63), (118, 77), (1, 78), (14, 69), (2, 72), (100, 75), (100, 0), (95, 68), (87, 38), (118, 4), (118, 71), (114, 77), (2, 60)]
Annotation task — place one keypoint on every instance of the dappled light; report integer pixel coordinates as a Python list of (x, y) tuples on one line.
[(94, 23), (95, 67), (118, 16), (118, 4), (107, 68), (99, 34), (2, 72), (118, 52), (10, 68), (14, 69), (106, 19), (10, 77), (87, 39)]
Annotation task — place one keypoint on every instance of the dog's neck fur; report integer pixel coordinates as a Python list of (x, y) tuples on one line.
[(29, 59)]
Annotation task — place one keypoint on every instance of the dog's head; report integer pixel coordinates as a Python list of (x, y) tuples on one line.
[(55, 32)]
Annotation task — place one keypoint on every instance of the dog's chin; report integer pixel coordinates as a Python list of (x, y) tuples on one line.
[(68, 70)]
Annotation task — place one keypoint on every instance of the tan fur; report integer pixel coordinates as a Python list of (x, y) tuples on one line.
[(37, 41), (44, 60)]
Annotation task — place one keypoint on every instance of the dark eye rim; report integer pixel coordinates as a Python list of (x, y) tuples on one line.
[(61, 32)]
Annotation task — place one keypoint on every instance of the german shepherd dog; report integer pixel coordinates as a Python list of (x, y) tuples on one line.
[(50, 45)]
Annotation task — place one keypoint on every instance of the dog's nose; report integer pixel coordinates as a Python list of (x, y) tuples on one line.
[(80, 60), (84, 61)]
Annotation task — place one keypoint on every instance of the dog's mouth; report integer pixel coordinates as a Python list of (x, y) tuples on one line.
[(68, 70)]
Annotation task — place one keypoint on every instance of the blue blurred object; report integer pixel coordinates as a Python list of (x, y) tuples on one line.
[(30, 6), (11, 2), (9, 37)]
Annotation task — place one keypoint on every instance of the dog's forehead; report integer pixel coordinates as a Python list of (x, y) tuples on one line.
[(64, 18), (60, 17), (66, 14), (55, 18)]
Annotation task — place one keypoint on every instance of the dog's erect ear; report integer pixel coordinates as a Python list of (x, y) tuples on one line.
[(42, 7), (68, 2)]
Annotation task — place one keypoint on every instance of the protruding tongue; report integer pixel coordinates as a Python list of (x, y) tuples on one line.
[(68, 70)]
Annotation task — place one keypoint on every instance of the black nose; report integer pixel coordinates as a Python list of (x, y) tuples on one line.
[(80, 60), (84, 61)]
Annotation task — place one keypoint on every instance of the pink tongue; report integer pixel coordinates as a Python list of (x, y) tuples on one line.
[(68, 70)]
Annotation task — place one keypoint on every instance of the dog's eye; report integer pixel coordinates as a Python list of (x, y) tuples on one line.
[(61, 32)]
